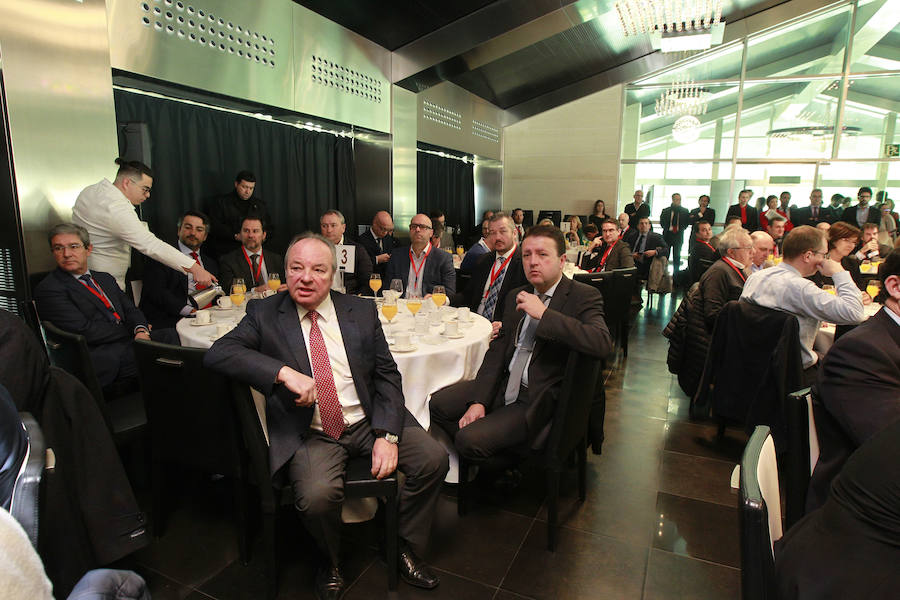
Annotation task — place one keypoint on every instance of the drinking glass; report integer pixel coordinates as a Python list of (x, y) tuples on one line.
[(460, 250), (414, 303), (389, 309), (237, 293), (873, 287), (237, 281), (274, 281), (375, 283), (397, 288), (830, 289), (439, 295)]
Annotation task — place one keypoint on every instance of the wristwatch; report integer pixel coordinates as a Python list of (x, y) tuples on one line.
[(391, 438)]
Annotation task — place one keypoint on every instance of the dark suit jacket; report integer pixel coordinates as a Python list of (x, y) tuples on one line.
[(665, 221), (234, 264), (165, 291), (619, 257), (514, 277), (70, 306), (226, 213), (709, 215), (629, 236), (438, 270), (752, 223), (635, 214), (701, 258), (269, 337), (719, 285), (803, 216), (573, 321), (849, 215), (367, 241), (859, 395), (359, 280)]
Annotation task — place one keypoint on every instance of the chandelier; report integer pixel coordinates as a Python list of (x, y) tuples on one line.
[(674, 25), (683, 98)]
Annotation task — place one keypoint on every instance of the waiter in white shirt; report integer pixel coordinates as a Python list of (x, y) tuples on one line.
[(106, 210)]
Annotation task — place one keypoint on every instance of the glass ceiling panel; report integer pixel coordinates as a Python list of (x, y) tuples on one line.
[(876, 41), (871, 110), (719, 63)]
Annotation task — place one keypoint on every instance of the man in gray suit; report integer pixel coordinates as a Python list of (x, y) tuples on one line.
[(333, 391)]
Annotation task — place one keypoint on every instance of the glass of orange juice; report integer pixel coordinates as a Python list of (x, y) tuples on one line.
[(237, 281), (375, 283), (237, 293), (873, 287), (414, 303), (460, 250), (439, 296), (830, 289), (274, 281), (389, 309)]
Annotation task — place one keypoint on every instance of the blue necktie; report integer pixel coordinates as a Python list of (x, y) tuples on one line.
[(524, 348), (490, 302)]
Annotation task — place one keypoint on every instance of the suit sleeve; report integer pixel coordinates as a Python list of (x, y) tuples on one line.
[(363, 266), (665, 218), (662, 247), (493, 367), (133, 316), (226, 273), (448, 274), (626, 260), (581, 327), (54, 304), (715, 295), (158, 292), (131, 230), (238, 355), (388, 407)]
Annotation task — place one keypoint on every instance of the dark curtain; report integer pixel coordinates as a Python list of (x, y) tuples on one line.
[(449, 185), (197, 151)]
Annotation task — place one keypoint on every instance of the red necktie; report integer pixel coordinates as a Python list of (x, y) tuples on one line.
[(326, 393), (744, 215)]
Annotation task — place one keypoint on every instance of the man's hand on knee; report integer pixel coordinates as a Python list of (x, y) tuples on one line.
[(475, 412), (384, 458)]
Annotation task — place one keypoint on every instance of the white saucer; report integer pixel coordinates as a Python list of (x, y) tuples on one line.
[(194, 323), (455, 337), (410, 348), (217, 307)]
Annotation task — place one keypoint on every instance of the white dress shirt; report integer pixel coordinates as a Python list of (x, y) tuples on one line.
[(337, 356), (114, 228), (487, 284), (413, 283), (782, 287)]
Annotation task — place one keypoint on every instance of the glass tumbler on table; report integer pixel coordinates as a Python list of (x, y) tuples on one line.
[(439, 295)]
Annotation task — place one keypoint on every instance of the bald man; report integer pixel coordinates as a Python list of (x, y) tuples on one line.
[(379, 241)]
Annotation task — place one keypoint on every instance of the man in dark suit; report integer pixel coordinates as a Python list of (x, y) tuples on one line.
[(250, 262), (496, 272), (813, 214), (227, 214), (673, 221), (724, 280), (164, 299), (379, 241), (428, 267), (627, 233), (703, 255), (858, 385), (333, 391), (510, 402), (637, 209), (748, 215), (868, 247), (91, 304), (333, 226), (607, 252), (647, 245), (862, 213)]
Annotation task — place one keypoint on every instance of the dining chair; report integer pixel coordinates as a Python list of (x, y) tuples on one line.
[(358, 483), (568, 436), (124, 414), (802, 453), (759, 507), (25, 499), (619, 304)]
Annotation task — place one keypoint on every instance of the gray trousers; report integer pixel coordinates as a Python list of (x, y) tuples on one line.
[(317, 470)]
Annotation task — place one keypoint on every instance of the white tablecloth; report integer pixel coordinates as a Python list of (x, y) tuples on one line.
[(825, 336)]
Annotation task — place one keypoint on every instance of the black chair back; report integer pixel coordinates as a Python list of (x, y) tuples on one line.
[(26, 492), (553, 215), (527, 217), (69, 352), (573, 407), (35, 278), (802, 453), (759, 509)]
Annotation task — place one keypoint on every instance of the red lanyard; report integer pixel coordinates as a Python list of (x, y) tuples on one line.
[(102, 297), (250, 264), (605, 256), (736, 270), (494, 276), (708, 245), (412, 263)]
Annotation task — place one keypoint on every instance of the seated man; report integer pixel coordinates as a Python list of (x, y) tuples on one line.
[(858, 384), (763, 247), (379, 240), (724, 280), (164, 299), (444, 232), (250, 262), (591, 232), (627, 233), (478, 249), (333, 392), (418, 266), (496, 273), (607, 252), (333, 226), (511, 400), (703, 255), (647, 245), (784, 288), (869, 248), (91, 304), (776, 230)]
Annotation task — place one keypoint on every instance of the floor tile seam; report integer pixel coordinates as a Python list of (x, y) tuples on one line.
[(447, 571), (702, 560), (597, 535), (694, 499), (358, 578), (170, 578), (516, 554), (729, 462)]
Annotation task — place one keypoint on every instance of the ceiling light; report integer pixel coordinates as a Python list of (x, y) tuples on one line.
[(686, 129), (683, 98), (674, 25)]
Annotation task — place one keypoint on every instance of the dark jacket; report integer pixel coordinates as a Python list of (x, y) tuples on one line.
[(701, 258), (66, 302), (803, 216), (165, 291), (709, 215), (654, 241), (752, 223), (688, 342), (234, 264), (666, 219), (226, 213), (438, 270), (719, 285), (514, 278), (619, 257), (367, 241), (858, 392), (359, 280), (849, 215), (270, 336), (635, 214)]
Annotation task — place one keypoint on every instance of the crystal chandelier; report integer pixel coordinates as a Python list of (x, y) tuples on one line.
[(682, 98), (674, 25)]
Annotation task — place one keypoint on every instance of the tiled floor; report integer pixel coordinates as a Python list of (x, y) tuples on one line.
[(659, 521)]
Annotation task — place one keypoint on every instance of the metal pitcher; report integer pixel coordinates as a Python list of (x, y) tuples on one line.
[(201, 298)]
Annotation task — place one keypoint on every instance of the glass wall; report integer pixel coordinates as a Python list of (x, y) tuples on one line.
[(810, 103)]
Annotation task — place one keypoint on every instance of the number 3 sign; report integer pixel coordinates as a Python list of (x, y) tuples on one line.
[(346, 256)]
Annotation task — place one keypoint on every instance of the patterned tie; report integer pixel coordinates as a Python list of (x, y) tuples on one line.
[(490, 303), (380, 245), (255, 270), (524, 347), (640, 245), (326, 393)]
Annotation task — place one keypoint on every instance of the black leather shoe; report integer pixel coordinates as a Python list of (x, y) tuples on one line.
[(414, 571), (329, 583)]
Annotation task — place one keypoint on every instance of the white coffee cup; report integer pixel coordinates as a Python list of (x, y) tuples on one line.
[(421, 325), (224, 302), (451, 328), (202, 317), (222, 329), (463, 314), (402, 340)]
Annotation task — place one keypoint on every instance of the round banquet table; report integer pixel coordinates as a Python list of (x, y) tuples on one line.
[(825, 335)]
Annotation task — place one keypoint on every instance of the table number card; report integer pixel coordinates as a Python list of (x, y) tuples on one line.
[(346, 257)]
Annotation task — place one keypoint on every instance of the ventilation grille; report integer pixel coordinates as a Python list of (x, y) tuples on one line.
[(7, 281), (198, 26), (344, 79), (442, 115), (483, 130)]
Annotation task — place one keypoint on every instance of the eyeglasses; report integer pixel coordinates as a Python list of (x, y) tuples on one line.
[(822, 253), (58, 248), (417, 226), (144, 188)]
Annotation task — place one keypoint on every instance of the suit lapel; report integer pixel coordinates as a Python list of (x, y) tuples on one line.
[(290, 327), (113, 297), (560, 296), (81, 291)]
